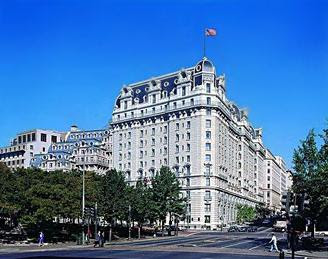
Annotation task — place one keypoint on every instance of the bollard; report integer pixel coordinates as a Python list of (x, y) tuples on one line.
[(281, 255)]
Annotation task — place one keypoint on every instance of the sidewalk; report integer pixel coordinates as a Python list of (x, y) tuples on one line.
[(309, 254)]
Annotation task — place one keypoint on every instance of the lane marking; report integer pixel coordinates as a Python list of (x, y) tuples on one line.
[(237, 243)]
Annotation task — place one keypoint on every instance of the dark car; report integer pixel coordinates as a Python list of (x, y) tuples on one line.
[(252, 229), (267, 223), (243, 229), (233, 229)]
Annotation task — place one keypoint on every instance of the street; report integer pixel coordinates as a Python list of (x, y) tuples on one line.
[(193, 245)]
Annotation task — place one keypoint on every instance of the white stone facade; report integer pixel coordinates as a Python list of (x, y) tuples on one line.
[(26, 144), (89, 150), (185, 121)]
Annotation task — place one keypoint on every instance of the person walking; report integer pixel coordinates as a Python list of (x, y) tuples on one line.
[(98, 240), (273, 243), (102, 239), (41, 239)]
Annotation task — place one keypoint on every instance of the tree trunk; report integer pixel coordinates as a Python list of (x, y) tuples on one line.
[(162, 228), (170, 224), (110, 234), (313, 229), (139, 232)]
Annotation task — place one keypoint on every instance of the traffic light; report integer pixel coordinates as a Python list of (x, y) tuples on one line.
[(286, 201), (89, 212)]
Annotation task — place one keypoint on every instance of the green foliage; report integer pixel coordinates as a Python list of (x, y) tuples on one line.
[(245, 213), (311, 175), (112, 196), (262, 211), (35, 197), (167, 195)]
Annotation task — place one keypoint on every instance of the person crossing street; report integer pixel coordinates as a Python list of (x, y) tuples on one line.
[(273, 243)]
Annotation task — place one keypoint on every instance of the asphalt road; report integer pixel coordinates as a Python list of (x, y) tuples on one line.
[(195, 245)]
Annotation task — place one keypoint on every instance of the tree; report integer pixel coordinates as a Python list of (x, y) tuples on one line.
[(166, 192), (310, 176), (262, 211), (112, 197), (245, 213)]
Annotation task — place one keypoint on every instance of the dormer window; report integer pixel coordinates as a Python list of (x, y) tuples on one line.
[(166, 83)]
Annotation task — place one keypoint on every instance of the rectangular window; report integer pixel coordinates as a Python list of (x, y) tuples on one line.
[(208, 146), (207, 207), (208, 195), (177, 126), (153, 131), (54, 139), (154, 98), (188, 136), (208, 100), (129, 135), (208, 112), (188, 124), (24, 138), (208, 135), (208, 181), (28, 137), (43, 137), (188, 148), (208, 87), (183, 91), (208, 124), (192, 102), (19, 139), (207, 157), (207, 219)]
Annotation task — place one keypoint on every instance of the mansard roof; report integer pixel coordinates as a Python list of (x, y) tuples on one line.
[(138, 91)]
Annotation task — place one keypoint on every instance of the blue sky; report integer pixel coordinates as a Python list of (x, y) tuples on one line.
[(64, 62)]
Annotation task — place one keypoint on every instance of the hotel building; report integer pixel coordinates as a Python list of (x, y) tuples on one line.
[(185, 121)]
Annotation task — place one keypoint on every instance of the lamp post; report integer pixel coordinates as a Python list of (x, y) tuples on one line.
[(83, 202)]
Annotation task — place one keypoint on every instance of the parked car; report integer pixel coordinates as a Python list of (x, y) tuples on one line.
[(243, 229), (252, 229), (233, 229)]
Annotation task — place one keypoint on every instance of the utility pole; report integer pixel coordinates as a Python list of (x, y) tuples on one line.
[(83, 205), (129, 222), (96, 219)]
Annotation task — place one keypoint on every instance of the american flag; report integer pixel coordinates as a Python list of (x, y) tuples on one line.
[(210, 32)]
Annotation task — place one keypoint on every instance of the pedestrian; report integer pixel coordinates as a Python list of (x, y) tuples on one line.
[(273, 243), (41, 239), (102, 239), (97, 240)]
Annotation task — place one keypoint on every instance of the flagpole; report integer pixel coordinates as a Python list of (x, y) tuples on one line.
[(204, 43)]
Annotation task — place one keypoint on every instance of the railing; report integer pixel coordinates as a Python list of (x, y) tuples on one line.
[(179, 106)]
